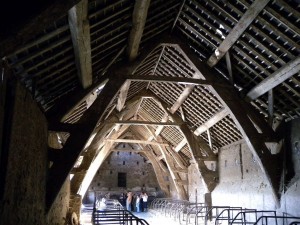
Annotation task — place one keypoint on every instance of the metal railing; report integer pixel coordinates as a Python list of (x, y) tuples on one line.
[(250, 217), (186, 210), (191, 213), (212, 213), (281, 220), (122, 217), (229, 214)]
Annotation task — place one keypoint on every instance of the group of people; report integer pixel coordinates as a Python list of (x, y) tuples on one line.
[(137, 202)]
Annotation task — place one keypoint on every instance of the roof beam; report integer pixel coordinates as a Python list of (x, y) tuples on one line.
[(159, 172), (212, 121), (139, 122), (178, 80), (180, 145), (275, 79), (175, 176), (138, 23), (94, 166), (137, 141), (237, 31), (80, 33), (123, 95), (183, 96), (128, 150)]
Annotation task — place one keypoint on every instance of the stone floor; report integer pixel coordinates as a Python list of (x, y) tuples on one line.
[(151, 217)]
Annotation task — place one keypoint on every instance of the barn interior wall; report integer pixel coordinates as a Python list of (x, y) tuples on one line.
[(242, 182), (23, 200), (140, 176)]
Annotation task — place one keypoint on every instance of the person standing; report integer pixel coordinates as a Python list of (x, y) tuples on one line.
[(145, 201), (128, 201), (137, 203)]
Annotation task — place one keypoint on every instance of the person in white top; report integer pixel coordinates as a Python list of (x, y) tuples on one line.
[(101, 205), (137, 203), (145, 201)]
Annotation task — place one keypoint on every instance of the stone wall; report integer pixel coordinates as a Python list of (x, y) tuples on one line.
[(23, 200), (24, 189), (59, 211), (139, 175), (242, 182)]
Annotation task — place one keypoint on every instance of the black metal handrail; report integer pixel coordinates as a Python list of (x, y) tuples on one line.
[(230, 214), (266, 219), (241, 217), (212, 213), (116, 217)]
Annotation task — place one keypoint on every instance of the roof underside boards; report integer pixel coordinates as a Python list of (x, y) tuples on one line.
[(268, 44)]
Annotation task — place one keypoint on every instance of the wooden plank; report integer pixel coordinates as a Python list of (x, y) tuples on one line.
[(178, 80), (178, 159), (270, 107), (160, 128), (183, 96), (180, 145), (229, 68), (94, 166), (128, 150), (275, 79), (159, 172), (211, 122), (175, 177), (139, 122), (137, 141), (237, 31), (123, 95), (81, 38), (139, 17)]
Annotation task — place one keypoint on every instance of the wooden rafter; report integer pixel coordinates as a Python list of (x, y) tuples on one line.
[(80, 33), (138, 23), (212, 121), (123, 95), (159, 172), (97, 162), (275, 79), (139, 122), (174, 174), (144, 142), (237, 31)]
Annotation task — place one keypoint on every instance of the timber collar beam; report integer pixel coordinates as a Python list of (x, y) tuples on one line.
[(138, 122), (178, 80), (137, 142)]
